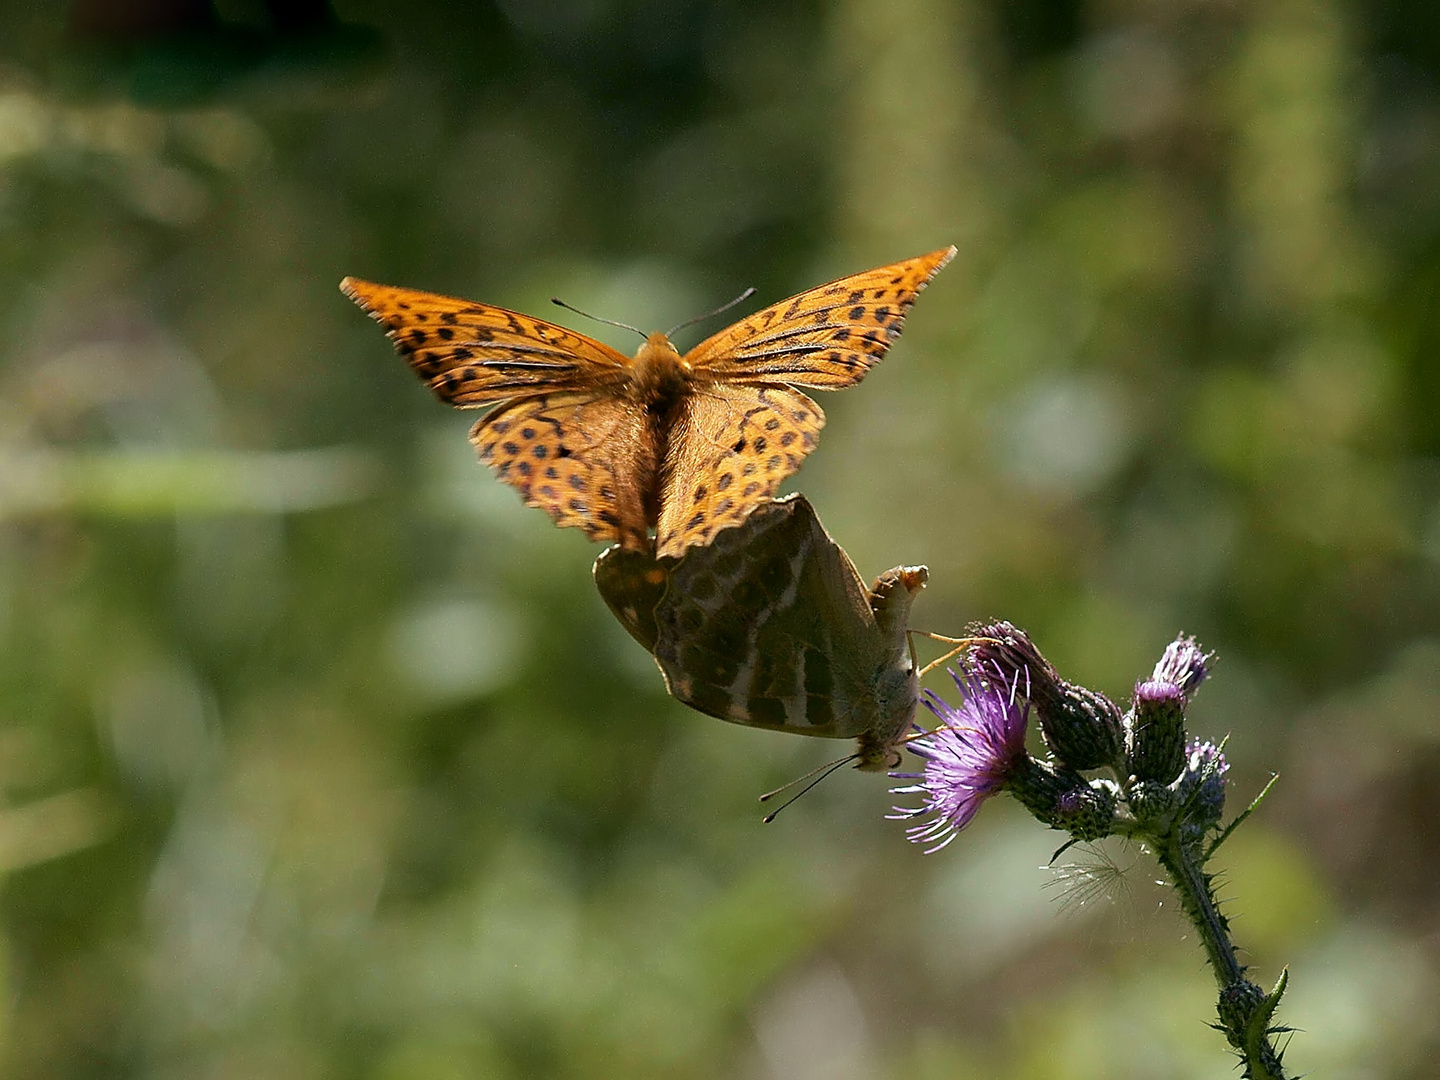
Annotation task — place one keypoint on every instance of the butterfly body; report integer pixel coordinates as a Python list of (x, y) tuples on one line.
[(686, 445), (897, 681), (771, 626)]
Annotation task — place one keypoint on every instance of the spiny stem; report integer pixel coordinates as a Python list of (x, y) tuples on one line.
[(1200, 906), (1245, 1010)]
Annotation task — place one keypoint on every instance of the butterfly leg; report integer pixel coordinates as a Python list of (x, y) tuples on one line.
[(961, 644)]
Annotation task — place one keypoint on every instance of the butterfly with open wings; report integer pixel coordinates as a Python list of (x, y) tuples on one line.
[(685, 445)]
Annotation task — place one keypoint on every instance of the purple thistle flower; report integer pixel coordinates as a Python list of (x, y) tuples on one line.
[(1184, 665), (968, 759)]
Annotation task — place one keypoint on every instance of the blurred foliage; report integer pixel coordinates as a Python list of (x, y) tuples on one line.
[(321, 758)]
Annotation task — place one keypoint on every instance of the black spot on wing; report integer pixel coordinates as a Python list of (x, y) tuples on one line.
[(767, 712), (819, 689)]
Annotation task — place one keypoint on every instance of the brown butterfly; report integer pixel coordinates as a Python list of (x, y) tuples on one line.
[(687, 445), (771, 626)]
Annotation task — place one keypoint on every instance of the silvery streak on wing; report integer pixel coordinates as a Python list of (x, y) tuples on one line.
[(771, 626)]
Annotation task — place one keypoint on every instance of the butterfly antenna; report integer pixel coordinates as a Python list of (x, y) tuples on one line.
[(815, 776), (608, 322), (710, 315), (818, 775)]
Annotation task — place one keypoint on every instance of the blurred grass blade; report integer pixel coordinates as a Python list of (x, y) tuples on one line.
[(146, 483)]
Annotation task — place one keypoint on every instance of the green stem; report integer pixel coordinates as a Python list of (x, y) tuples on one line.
[(1199, 904), (1245, 1009)]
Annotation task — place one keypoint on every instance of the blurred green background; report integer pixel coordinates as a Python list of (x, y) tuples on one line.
[(322, 758)]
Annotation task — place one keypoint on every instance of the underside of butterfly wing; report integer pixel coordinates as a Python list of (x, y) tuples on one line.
[(582, 458), (729, 450), (770, 626), (473, 354), (632, 584), (827, 337)]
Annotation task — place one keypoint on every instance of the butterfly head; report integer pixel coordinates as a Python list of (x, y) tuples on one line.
[(658, 350), (896, 589), (659, 373), (876, 755)]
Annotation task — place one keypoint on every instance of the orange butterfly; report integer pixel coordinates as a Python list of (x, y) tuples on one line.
[(688, 445)]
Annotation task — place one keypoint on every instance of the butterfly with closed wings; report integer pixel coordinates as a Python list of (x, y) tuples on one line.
[(685, 445), (771, 626)]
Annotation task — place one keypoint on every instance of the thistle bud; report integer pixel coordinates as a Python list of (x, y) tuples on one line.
[(1153, 805), (1155, 732), (1081, 727), (1238, 1003), (1063, 799), (1201, 787)]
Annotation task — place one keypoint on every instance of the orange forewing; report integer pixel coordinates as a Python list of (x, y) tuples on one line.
[(473, 354), (827, 337)]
